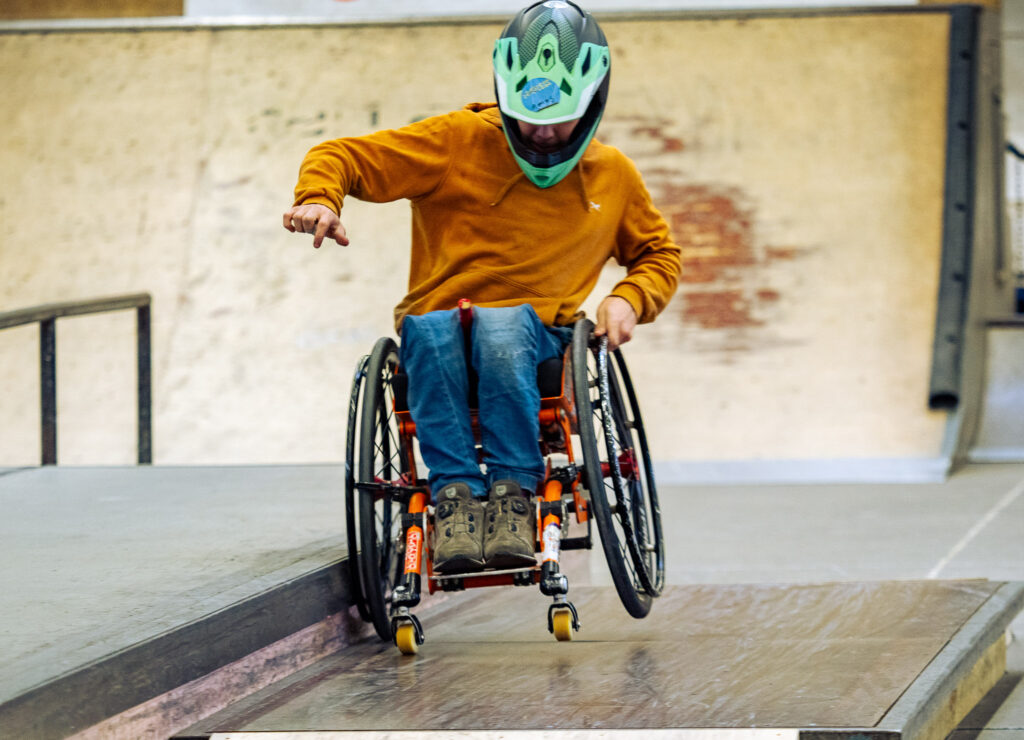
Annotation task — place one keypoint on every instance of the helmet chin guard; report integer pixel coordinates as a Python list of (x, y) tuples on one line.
[(551, 65)]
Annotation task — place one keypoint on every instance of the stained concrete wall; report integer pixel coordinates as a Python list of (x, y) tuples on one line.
[(800, 161), (49, 9)]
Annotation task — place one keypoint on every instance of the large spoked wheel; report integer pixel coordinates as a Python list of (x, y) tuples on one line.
[(381, 462), (617, 471), (355, 403)]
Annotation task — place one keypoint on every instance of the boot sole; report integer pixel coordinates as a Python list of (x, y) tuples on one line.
[(458, 564), (510, 560)]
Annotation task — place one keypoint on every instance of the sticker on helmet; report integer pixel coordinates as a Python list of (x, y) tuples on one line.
[(540, 93)]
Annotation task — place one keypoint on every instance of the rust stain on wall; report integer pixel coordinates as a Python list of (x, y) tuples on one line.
[(722, 280), (668, 143), (718, 309), (782, 253), (644, 128), (714, 232), (731, 281)]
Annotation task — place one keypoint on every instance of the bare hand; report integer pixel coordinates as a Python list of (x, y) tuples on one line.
[(616, 319), (318, 220)]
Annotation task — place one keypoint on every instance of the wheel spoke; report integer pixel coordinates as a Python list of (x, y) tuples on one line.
[(623, 487), (616, 461)]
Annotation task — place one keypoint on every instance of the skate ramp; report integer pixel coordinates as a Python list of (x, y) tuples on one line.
[(903, 660), (142, 600), (1000, 436)]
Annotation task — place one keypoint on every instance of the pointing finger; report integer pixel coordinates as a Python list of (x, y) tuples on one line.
[(319, 232), (339, 235)]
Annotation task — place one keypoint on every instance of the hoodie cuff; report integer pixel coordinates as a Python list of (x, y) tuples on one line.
[(320, 201), (635, 297)]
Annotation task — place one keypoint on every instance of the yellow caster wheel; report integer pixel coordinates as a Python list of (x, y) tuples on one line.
[(405, 639), (561, 625)]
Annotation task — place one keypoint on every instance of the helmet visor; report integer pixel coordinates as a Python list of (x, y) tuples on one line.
[(577, 141)]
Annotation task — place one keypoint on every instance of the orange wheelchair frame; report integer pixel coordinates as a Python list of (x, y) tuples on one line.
[(390, 517)]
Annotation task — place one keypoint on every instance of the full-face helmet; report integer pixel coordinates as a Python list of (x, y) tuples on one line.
[(551, 65)]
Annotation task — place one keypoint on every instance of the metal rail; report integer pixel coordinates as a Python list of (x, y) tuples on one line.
[(46, 316)]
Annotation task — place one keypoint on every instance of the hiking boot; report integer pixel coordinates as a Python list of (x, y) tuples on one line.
[(509, 527), (458, 523)]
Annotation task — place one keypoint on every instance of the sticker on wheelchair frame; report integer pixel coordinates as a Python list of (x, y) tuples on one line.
[(540, 93), (412, 552), (552, 542)]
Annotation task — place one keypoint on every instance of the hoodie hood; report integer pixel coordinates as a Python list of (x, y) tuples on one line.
[(490, 113)]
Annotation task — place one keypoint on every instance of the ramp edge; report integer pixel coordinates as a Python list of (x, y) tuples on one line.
[(97, 691), (197, 699), (666, 734), (185, 705), (960, 675)]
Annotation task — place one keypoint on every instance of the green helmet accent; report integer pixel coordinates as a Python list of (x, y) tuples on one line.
[(551, 65)]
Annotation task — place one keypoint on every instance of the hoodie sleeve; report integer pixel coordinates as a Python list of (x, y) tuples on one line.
[(645, 247), (408, 162)]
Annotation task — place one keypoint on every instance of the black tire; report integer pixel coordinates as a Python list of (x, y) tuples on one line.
[(649, 553), (381, 460), (351, 505), (624, 502)]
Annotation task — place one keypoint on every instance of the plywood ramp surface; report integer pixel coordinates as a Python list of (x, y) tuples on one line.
[(828, 656), (799, 160)]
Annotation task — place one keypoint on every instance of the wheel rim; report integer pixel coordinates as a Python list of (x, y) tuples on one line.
[(597, 474), (623, 480), (639, 509), (644, 488), (381, 461), (351, 507)]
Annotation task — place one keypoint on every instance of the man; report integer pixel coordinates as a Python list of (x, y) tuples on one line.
[(516, 207)]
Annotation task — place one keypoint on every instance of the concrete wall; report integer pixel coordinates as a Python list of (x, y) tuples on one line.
[(799, 159), (52, 9)]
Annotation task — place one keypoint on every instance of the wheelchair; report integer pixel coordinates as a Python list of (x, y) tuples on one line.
[(598, 468)]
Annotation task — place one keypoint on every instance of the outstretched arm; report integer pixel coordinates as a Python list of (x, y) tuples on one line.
[(318, 220)]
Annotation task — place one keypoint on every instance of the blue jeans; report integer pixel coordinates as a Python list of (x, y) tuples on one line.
[(507, 344)]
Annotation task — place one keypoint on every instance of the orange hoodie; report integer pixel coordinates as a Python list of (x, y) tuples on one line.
[(481, 230)]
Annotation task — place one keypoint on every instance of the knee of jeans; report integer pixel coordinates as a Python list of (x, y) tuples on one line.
[(495, 329), (432, 332)]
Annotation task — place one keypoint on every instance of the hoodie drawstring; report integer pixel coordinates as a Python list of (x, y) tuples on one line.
[(578, 169), (507, 186)]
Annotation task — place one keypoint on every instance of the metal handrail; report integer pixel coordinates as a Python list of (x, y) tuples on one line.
[(46, 316)]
